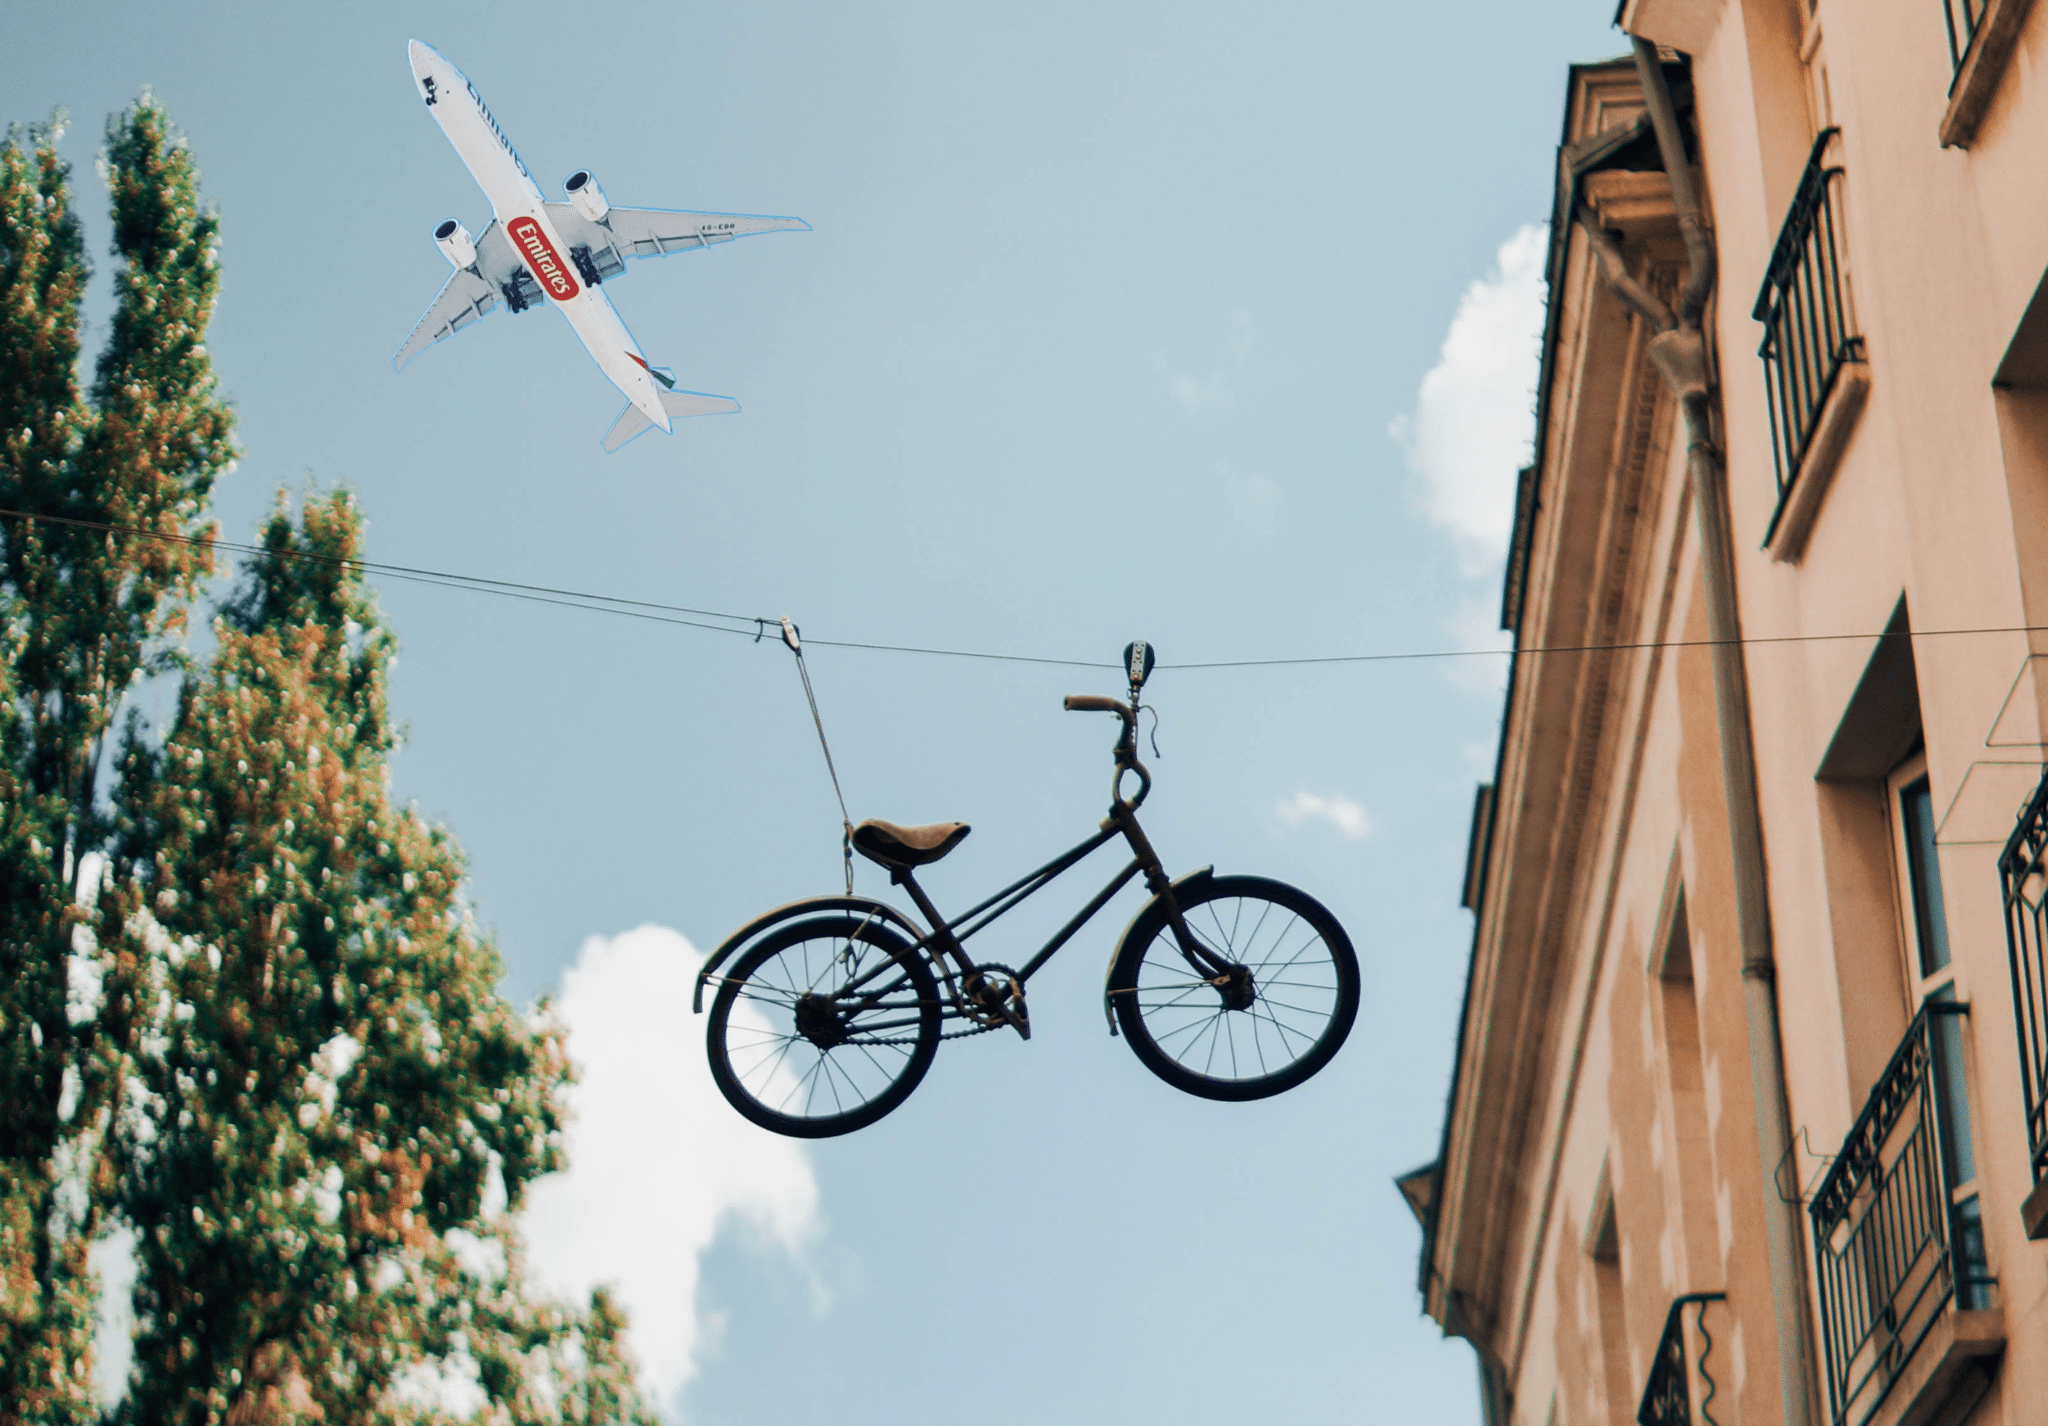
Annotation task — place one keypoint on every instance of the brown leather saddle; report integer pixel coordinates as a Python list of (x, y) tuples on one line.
[(900, 848)]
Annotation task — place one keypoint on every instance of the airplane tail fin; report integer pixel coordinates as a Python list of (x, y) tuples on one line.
[(633, 422)]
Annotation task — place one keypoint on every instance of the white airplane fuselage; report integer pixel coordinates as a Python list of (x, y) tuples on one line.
[(516, 202)]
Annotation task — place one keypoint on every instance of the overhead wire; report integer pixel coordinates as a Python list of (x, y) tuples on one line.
[(753, 626)]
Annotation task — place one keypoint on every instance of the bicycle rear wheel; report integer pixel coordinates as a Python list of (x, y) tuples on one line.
[(1279, 1016), (824, 1027)]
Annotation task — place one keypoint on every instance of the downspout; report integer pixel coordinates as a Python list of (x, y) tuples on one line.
[(1679, 353)]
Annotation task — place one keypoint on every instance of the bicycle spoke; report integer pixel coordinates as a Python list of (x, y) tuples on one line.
[(822, 1027), (1284, 1030), (1295, 990), (1194, 1027)]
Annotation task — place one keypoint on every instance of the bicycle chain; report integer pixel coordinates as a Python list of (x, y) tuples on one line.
[(912, 1040)]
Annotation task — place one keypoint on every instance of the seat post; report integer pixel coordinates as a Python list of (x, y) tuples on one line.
[(942, 934)]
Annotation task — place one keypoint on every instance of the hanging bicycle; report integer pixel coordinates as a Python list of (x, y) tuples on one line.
[(828, 1011)]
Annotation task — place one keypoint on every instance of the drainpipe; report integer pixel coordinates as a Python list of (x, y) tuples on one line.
[(1679, 354)]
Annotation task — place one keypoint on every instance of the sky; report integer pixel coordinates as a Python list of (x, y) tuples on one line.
[(1188, 322)]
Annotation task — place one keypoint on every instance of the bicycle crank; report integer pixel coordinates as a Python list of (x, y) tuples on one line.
[(995, 997)]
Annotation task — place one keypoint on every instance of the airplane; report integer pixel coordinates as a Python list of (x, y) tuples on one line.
[(535, 251)]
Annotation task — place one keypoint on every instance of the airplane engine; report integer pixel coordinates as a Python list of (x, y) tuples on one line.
[(586, 195), (455, 243)]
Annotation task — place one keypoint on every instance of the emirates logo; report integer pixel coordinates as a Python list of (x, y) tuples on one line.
[(540, 255)]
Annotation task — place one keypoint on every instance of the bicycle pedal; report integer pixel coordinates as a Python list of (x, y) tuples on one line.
[(1020, 1019)]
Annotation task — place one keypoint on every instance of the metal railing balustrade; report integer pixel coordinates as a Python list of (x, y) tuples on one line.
[(1963, 17), (1667, 1399), (2023, 879), (1885, 1228), (1808, 334)]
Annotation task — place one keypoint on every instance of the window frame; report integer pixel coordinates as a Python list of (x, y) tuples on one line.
[(1944, 982)]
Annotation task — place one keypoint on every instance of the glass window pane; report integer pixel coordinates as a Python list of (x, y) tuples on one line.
[(1968, 1262), (1916, 808), (1951, 1092)]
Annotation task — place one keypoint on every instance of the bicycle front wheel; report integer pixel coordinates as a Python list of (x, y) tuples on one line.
[(1272, 1011), (823, 1027)]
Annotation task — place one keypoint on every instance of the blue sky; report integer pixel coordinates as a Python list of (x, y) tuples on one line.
[(1124, 319)]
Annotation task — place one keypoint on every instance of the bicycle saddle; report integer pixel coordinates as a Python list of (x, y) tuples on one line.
[(894, 847)]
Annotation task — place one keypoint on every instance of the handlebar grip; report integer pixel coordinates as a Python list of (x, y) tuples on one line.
[(1094, 703)]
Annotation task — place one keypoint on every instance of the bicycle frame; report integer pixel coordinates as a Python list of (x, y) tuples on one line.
[(946, 940)]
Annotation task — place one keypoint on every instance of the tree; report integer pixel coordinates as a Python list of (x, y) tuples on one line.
[(83, 612), (332, 1088), (243, 1009)]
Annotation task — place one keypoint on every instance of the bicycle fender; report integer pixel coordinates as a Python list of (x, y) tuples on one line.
[(1199, 874), (808, 906)]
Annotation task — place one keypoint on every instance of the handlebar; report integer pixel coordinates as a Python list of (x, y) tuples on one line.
[(1126, 746)]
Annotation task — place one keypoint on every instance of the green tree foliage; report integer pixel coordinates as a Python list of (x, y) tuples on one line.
[(43, 1299), (329, 1089), (243, 1009), (85, 611)]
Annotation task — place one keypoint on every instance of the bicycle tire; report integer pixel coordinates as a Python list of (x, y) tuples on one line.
[(1177, 1022), (792, 1079)]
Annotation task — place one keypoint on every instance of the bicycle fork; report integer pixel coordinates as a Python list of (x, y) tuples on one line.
[(1232, 981)]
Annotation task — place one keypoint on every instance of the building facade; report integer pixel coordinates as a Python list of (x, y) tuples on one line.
[(1747, 1122)]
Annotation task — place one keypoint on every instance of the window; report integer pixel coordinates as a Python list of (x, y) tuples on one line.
[(1691, 1147), (1603, 1246), (1931, 979)]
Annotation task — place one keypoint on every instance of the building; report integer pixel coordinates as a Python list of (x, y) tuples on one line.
[(1749, 1118)]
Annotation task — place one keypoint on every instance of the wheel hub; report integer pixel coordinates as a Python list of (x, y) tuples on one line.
[(1236, 987), (817, 1022)]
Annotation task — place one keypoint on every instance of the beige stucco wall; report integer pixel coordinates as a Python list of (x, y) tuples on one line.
[(1573, 1078)]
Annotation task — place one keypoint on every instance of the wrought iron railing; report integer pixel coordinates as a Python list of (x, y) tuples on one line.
[(1884, 1226), (1667, 1400), (2023, 877), (1808, 333), (1963, 16)]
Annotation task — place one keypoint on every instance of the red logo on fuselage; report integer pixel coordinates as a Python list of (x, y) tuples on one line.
[(533, 245)]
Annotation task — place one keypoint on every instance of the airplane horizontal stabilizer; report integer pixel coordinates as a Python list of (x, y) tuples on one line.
[(633, 422), (696, 403)]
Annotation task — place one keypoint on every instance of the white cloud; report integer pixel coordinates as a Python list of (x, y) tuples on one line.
[(1341, 812), (112, 1261), (1473, 420), (659, 1163)]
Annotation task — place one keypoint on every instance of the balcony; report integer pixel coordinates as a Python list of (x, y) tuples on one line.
[(2024, 881), (1980, 44), (1668, 1398), (1814, 374), (1898, 1243)]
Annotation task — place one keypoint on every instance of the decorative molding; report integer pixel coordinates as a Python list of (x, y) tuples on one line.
[(1626, 199)]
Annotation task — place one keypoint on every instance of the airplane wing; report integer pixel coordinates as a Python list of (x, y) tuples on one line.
[(652, 232), (472, 292)]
